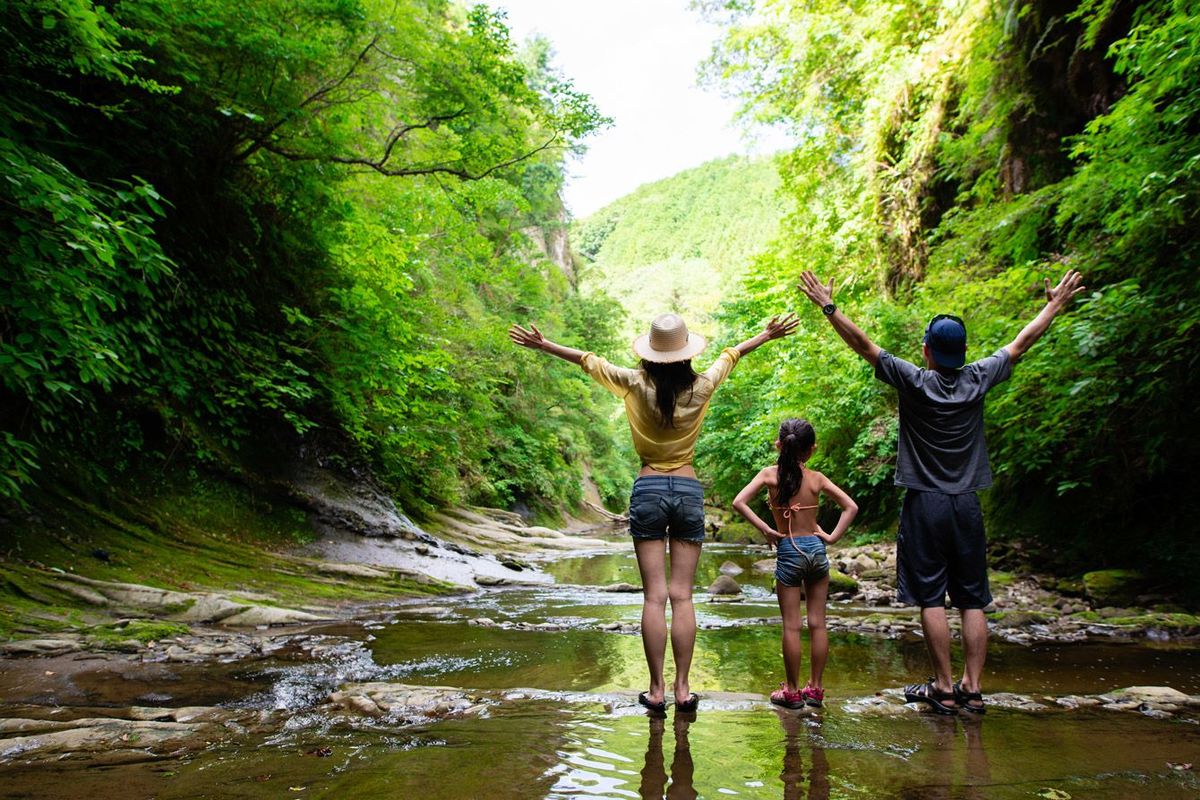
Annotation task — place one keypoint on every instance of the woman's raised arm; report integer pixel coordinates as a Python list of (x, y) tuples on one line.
[(534, 340), (776, 329)]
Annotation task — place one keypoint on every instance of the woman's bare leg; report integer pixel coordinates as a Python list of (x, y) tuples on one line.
[(684, 557), (651, 558), (818, 637), (789, 608)]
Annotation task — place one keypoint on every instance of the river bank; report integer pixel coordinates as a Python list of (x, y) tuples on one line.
[(377, 630)]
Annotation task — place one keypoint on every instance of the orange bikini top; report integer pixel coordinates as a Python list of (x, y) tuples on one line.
[(787, 514)]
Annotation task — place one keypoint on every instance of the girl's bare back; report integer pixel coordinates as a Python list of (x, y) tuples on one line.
[(800, 508)]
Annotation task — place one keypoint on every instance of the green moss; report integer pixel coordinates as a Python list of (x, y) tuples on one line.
[(138, 630), (841, 582), (221, 538), (1180, 622), (1113, 587), (998, 578)]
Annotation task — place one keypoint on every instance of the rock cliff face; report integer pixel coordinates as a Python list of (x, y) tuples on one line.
[(553, 244)]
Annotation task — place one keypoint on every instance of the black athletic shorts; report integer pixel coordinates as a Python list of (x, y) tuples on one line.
[(941, 548)]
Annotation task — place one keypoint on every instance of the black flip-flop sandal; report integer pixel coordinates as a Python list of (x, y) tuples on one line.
[(965, 698), (927, 693), (661, 706), (689, 705)]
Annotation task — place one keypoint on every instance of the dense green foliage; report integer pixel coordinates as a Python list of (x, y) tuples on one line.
[(242, 232), (682, 243), (951, 154)]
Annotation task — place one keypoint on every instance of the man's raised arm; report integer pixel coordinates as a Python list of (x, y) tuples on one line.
[(1056, 300), (851, 334)]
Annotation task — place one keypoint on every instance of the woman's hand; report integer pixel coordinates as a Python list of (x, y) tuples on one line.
[(827, 538), (773, 537), (778, 328), (532, 339)]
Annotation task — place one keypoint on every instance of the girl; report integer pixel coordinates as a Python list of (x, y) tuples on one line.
[(802, 566), (665, 401)]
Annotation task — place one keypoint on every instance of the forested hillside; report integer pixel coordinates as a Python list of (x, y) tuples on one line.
[(682, 243), (245, 234), (953, 155), (235, 244)]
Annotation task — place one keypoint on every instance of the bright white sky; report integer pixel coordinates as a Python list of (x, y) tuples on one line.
[(638, 61)]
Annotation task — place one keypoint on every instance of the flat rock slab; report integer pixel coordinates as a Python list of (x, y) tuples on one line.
[(380, 699), (85, 737), (40, 647)]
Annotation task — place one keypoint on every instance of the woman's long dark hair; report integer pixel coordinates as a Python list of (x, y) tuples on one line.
[(669, 380), (796, 438)]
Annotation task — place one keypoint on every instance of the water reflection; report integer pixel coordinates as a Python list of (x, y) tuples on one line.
[(654, 784), (953, 765), (792, 775)]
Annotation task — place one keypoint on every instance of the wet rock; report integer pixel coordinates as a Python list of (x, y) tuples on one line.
[(39, 647), (492, 580), (1016, 702), (724, 585), (730, 568), (102, 735), (1153, 694), (1073, 701), (767, 565), (620, 587), (268, 615), (727, 598), (397, 699), (485, 622)]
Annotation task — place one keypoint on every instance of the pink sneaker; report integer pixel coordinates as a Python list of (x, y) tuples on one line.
[(813, 696), (787, 698)]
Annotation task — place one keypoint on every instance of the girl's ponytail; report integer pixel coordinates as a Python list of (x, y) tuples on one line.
[(796, 438)]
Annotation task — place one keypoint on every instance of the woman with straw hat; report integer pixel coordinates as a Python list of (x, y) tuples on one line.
[(665, 401)]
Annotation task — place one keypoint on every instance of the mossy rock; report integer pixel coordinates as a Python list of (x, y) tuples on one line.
[(1113, 587), (1021, 618), (1069, 587), (1186, 624), (999, 578), (137, 630), (841, 582)]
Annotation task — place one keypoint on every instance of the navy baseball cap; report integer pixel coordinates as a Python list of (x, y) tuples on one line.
[(947, 340)]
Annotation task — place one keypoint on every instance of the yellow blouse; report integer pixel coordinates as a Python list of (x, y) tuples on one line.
[(661, 448)]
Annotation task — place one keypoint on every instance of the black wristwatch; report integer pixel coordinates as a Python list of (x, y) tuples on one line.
[(828, 309)]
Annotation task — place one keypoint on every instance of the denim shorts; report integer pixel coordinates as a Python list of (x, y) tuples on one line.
[(667, 505), (800, 559)]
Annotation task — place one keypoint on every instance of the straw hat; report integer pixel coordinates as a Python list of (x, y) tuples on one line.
[(668, 341)]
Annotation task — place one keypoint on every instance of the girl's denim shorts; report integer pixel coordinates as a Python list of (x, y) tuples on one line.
[(667, 505), (800, 559)]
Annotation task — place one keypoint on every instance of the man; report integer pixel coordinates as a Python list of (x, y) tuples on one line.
[(941, 460)]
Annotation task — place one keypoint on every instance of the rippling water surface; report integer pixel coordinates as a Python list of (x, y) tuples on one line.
[(593, 743)]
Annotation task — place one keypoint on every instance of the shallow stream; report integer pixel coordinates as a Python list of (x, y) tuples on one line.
[(581, 744)]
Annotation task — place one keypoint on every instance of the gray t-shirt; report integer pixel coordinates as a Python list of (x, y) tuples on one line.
[(941, 446)]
